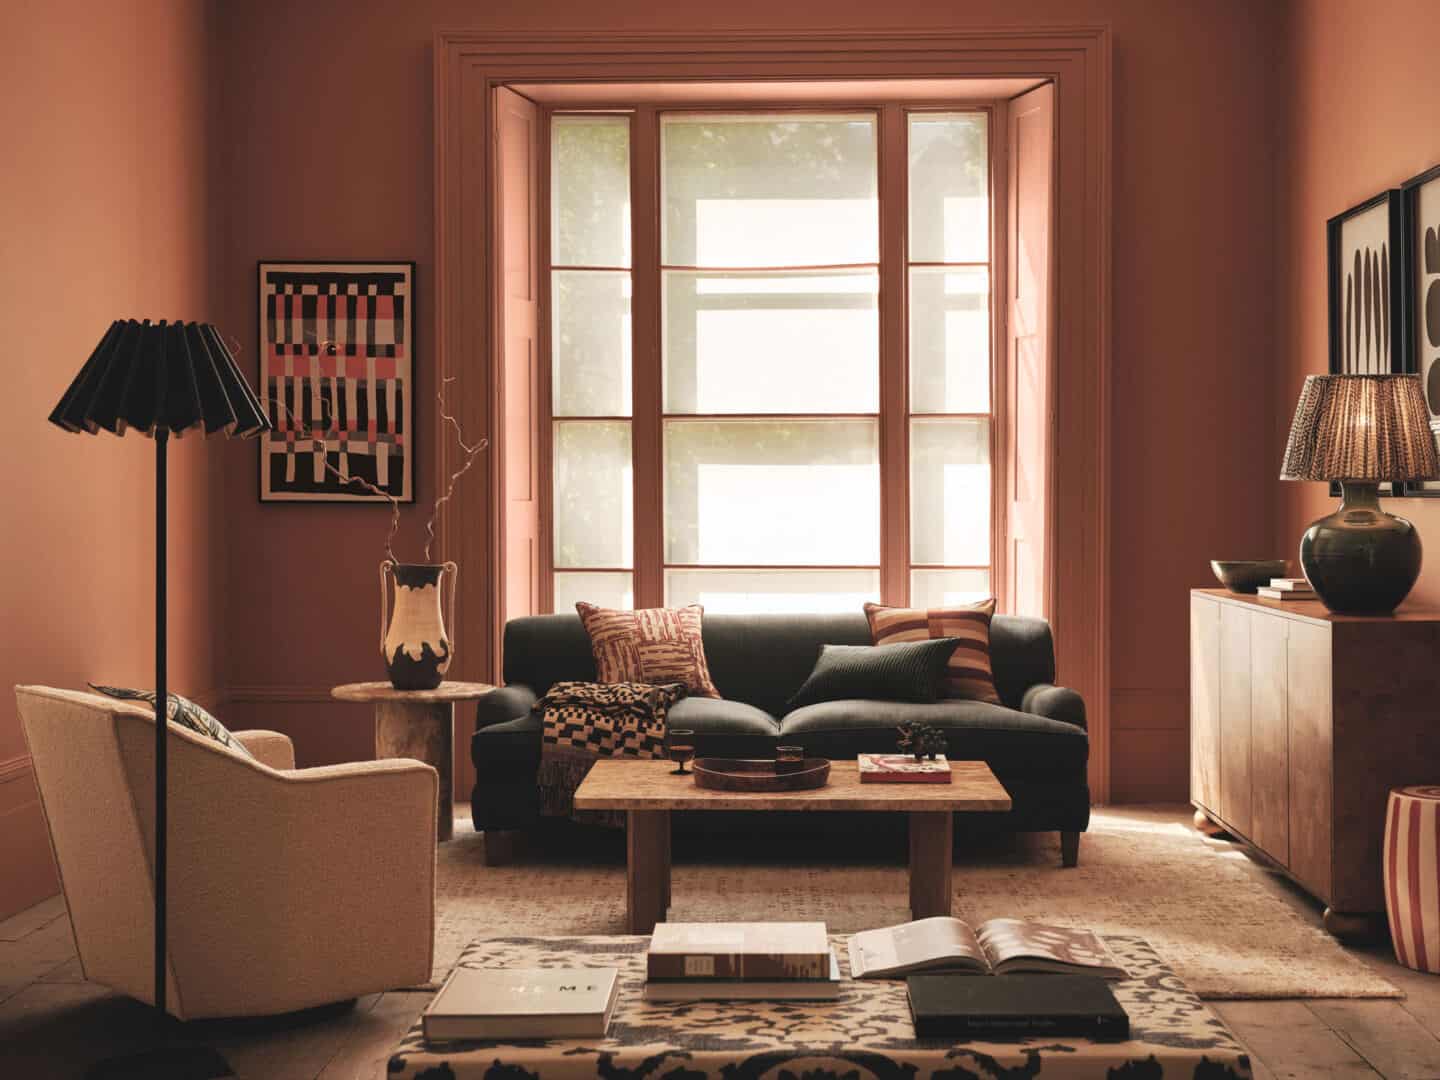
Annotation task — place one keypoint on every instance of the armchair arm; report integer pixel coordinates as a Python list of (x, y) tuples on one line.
[(268, 747), (317, 884), (1056, 703), (504, 704)]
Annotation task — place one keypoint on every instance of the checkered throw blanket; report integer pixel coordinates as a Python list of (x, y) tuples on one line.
[(584, 721)]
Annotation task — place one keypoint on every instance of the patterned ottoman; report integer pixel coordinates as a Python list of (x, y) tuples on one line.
[(1412, 875), (866, 1035)]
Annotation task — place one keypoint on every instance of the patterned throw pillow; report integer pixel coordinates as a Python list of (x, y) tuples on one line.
[(968, 674), (184, 712), (653, 645)]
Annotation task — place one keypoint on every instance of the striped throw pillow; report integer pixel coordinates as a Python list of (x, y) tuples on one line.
[(652, 645), (968, 675)]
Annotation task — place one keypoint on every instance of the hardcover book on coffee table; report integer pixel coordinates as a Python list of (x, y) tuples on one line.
[(749, 951), (948, 1006), (748, 989), (903, 769), (522, 1003), (997, 947)]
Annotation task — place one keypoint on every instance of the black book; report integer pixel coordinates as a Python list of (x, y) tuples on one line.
[(957, 1006)]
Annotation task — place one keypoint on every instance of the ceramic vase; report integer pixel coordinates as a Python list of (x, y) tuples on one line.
[(413, 640)]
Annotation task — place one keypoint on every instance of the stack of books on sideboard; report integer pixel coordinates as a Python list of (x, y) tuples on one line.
[(1287, 588), (773, 961)]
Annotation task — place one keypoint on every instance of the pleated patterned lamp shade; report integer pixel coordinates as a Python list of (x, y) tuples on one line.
[(166, 376), (1361, 427)]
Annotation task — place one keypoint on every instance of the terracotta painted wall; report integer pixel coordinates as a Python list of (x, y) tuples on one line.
[(327, 153), (105, 214), (1363, 115)]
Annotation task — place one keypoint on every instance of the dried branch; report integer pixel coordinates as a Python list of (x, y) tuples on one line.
[(471, 453)]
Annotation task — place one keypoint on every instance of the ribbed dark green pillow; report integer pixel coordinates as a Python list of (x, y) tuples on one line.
[(903, 672)]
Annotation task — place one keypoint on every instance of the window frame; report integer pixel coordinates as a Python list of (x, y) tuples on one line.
[(893, 417)]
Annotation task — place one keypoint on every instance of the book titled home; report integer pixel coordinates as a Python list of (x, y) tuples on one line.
[(522, 1003), (903, 769), (752, 951)]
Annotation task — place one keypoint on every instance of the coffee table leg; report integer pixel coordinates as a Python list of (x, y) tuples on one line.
[(425, 731), (931, 833), (647, 868)]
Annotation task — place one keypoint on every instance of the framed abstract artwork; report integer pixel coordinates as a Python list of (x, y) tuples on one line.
[(1366, 319), (1420, 270), (337, 376)]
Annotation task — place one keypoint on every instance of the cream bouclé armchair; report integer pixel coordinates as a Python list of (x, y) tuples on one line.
[(288, 888)]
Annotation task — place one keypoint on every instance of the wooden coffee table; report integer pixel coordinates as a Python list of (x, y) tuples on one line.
[(649, 790)]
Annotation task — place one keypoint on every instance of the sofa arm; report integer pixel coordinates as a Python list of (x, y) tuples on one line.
[(1056, 703), (268, 747), (504, 704)]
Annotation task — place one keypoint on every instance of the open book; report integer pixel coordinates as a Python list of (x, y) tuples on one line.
[(998, 947)]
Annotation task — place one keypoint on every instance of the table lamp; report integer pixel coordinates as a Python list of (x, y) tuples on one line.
[(160, 380), (1361, 430)]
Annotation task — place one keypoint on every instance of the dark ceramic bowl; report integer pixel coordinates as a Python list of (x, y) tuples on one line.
[(1247, 575)]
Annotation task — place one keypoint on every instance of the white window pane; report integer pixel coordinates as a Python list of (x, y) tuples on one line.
[(755, 492), (949, 188), (949, 340), (743, 592), (769, 191), (771, 342), (590, 343), (950, 492), (590, 190), (594, 517), (946, 588), (602, 590)]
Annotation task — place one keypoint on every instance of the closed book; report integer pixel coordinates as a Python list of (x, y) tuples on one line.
[(747, 990), (751, 951), (522, 1003), (1285, 594), (1291, 584), (956, 1006), (902, 769)]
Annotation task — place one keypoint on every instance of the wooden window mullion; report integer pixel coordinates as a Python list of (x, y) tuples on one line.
[(894, 389), (646, 436)]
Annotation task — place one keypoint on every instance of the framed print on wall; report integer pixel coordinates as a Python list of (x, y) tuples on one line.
[(337, 346), (1420, 269)]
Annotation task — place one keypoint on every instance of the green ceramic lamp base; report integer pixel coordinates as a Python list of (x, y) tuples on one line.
[(1361, 560)]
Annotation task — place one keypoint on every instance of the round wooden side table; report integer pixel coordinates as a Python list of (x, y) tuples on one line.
[(418, 724), (1411, 858)]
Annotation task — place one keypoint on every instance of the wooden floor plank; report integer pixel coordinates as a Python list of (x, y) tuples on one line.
[(32, 918), (34, 956), (1422, 990), (1396, 1045), (367, 1051), (1292, 1041)]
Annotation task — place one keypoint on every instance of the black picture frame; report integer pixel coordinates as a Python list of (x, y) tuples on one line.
[(1413, 269), (407, 410), (1357, 344)]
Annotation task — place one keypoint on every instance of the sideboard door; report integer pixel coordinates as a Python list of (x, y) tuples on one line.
[(1312, 760), (1235, 717), (1270, 736), (1205, 703)]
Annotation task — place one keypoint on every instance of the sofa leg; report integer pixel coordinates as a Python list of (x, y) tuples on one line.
[(1069, 848), (501, 846)]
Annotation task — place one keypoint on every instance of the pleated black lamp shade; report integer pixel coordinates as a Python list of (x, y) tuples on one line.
[(166, 376)]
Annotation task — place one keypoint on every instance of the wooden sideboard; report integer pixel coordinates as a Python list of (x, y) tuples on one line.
[(1300, 723)]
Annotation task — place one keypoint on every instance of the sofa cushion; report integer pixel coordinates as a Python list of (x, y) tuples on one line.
[(652, 645), (910, 671), (968, 675), (974, 731), (182, 711), (726, 728)]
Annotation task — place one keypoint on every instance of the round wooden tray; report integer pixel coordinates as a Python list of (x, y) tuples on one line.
[(758, 774)]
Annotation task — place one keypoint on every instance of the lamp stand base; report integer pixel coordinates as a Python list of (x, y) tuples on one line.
[(163, 1063), (1361, 560)]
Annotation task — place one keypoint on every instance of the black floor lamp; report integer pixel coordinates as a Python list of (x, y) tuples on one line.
[(160, 380)]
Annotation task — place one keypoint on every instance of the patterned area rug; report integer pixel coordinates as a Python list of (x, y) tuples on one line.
[(1226, 925)]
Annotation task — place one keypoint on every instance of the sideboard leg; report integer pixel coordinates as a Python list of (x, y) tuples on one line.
[(1354, 927), (1204, 825), (1069, 849)]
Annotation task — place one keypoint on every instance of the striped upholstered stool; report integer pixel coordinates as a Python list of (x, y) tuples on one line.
[(1412, 875)]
